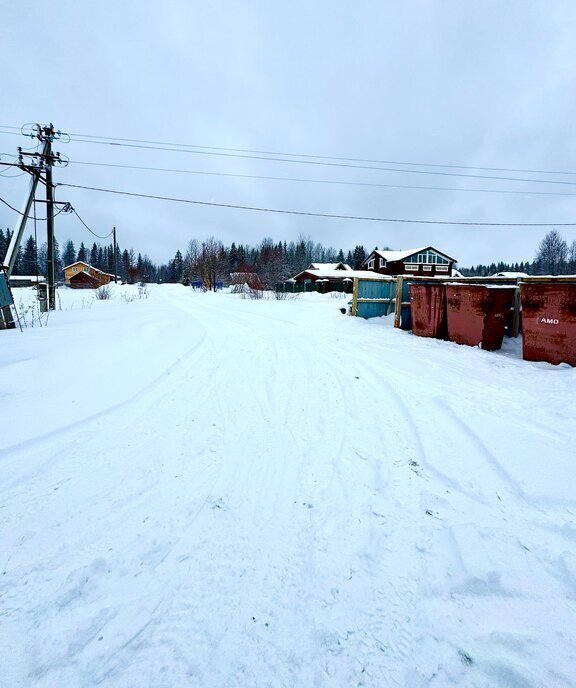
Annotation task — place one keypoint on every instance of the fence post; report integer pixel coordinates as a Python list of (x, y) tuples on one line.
[(355, 297), (398, 304)]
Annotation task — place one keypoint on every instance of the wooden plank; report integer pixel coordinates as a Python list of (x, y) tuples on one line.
[(355, 297), (363, 300), (398, 311)]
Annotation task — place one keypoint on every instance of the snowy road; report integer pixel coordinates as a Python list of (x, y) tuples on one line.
[(200, 490)]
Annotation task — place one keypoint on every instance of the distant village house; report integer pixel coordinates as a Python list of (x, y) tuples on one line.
[(332, 275), (80, 275), (425, 262)]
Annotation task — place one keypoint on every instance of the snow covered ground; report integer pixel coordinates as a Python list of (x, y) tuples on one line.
[(201, 490)]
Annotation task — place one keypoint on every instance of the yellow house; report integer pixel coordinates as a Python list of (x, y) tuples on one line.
[(82, 275)]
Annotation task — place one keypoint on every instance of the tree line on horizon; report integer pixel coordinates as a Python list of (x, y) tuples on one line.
[(210, 260), (553, 257)]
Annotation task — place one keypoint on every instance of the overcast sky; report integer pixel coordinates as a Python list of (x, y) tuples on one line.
[(449, 82)]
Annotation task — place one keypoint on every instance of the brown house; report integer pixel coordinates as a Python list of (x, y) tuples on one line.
[(331, 274), (318, 271), (80, 275), (424, 262)]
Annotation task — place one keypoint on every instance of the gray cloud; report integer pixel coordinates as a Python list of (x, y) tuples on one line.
[(489, 84)]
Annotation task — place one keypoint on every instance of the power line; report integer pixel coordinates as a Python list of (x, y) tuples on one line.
[(64, 209), (324, 215), (175, 147), (323, 157), (12, 207), (315, 181), (85, 225), (333, 164), (338, 182)]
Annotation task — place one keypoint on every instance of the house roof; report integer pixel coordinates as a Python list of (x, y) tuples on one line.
[(24, 278), (341, 274), (78, 262), (81, 262), (83, 275), (329, 266), (392, 256)]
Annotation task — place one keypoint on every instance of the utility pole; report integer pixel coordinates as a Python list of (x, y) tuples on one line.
[(49, 135), (6, 319), (46, 160), (115, 257), (44, 163)]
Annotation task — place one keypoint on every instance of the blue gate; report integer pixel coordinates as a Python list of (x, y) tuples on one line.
[(374, 298)]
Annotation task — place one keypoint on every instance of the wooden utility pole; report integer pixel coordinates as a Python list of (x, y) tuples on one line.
[(49, 133), (6, 318), (398, 302), (115, 257)]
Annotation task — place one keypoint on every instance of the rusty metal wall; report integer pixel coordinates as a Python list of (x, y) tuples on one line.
[(428, 306), (549, 322), (477, 315)]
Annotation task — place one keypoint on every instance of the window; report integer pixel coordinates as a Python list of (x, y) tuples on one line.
[(371, 264), (74, 269), (410, 268), (382, 262), (427, 268), (441, 268), (427, 258)]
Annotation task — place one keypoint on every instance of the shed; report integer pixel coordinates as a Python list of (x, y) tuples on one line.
[(84, 280), (26, 280)]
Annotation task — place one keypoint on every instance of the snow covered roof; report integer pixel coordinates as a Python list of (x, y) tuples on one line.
[(329, 266), (392, 256), (511, 274), (81, 262), (26, 278), (339, 274), (78, 262), (398, 255)]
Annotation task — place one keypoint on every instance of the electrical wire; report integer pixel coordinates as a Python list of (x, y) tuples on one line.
[(11, 207), (322, 157), (335, 164), (9, 164), (316, 181), (11, 176), (85, 225), (114, 140), (324, 215), (66, 208)]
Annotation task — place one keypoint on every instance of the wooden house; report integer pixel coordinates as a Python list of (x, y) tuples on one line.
[(424, 262), (26, 280), (332, 275), (80, 275), (320, 271)]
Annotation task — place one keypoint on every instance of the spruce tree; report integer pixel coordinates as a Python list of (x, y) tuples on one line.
[(3, 245), (69, 253), (94, 256), (28, 265), (178, 267)]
